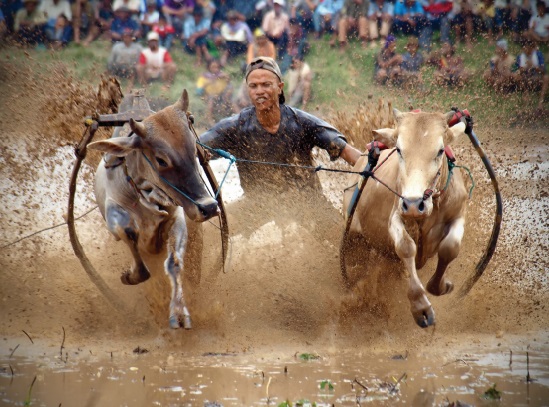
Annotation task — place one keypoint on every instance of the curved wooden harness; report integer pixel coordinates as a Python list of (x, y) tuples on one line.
[(139, 111)]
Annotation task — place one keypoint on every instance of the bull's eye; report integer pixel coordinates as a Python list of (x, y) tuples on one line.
[(161, 162), (440, 152), (398, 151)]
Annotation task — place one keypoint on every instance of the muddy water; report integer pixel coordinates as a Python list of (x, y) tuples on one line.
[(344, 379)]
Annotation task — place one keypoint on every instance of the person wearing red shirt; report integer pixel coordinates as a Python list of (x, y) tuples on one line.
[(155, 63)]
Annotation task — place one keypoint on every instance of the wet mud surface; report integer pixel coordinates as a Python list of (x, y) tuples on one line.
[(281, 296)]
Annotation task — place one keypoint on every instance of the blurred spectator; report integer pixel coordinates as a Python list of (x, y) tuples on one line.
[(387, 63), (124, 57), (297, 42), (30, 23), (499, 75), (9, 8), (450, 69), (61, 34), (3, 27), (53, 9), (195, 32), (530, 67), (209, 8), (519, 17), (410, 19), (260, 47), (463, 20), (354, 17), (82, 18), (501, 16), (251, 11), (299, 83), (276, 25), (412, 61), (437, 12), (215, 86), (235, 37), (122, 21), (132, 5), (103, 18), (155, 63), (303, 10), (486, 14), (380, 16), (326, 17), (176, 11), (539, 23), (149, 18), (165, 31)]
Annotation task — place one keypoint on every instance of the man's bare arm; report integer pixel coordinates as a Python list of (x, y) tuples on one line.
[(350, 154)]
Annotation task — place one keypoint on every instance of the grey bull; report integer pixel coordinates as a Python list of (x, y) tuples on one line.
[(427, 217), (146, 183)]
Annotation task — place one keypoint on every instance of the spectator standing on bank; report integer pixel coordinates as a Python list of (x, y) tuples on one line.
[(303, 11), (539, 23), (326, 17), (276, 25), (30, 23), (165, 31), (149, 18), (103, 18), (155, 63), (235, 37), (176, 11), (354, 17), (124, 57), (123, 21), (410, 19), (520, 12), (195, 32), (82, 19), (380, 20), (437, 18), (499, 74)]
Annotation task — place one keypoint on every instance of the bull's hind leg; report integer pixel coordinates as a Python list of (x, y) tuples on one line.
[(177, 241), (448, 250), (121, 225)]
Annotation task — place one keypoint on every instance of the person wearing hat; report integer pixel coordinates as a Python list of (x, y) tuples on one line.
[(260, 47), (500, 71), (271, 131), (123, 58), (235, 37), (30, 23), (122, 21), (276, 24), (195, 35), (155, 63)]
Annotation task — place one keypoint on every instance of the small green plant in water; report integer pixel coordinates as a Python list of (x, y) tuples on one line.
[(492, 393), (326, 385), (309, 356)]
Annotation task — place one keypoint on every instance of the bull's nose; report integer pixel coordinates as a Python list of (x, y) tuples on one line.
[(209, 208), (413, 207)]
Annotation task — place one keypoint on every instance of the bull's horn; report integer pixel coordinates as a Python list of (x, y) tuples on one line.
[(138, 128), (183, 102), (398, 115), (449, 115)]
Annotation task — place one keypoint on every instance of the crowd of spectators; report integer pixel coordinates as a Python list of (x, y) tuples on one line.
[(144, 31)]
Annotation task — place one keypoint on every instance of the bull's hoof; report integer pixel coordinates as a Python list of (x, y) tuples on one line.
[(426, 319), (440, 289), (132, 278), (177, 322)]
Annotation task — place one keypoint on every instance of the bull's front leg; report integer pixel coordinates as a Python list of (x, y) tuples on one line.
[(405, 247), (448, 250), (121, 225), (173, 266)]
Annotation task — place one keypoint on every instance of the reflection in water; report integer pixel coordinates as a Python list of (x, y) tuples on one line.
[(238, 380)]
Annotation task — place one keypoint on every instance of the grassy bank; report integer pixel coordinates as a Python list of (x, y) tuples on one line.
[(343, 80)]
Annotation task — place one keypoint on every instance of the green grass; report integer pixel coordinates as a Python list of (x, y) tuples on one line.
[(342, 80)]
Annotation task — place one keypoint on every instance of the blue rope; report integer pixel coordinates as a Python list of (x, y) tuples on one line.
[(451, 167)]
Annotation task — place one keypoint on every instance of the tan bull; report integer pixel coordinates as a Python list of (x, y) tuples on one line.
[(427, 217), (149, 176)]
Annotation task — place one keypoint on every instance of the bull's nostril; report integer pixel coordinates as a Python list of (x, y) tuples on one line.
[(421, 206)]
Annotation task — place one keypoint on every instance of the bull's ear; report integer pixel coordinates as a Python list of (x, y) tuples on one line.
[(183, 102), (386, 136), (118, 146), (454, 132), (398, 115)]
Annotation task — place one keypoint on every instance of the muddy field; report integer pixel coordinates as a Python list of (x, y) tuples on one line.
[(278, 325)]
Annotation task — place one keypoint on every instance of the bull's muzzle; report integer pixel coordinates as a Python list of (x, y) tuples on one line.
[(416, 208), (208, 208)]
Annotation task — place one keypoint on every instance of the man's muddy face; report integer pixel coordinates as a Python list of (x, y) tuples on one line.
[(264, 87)]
